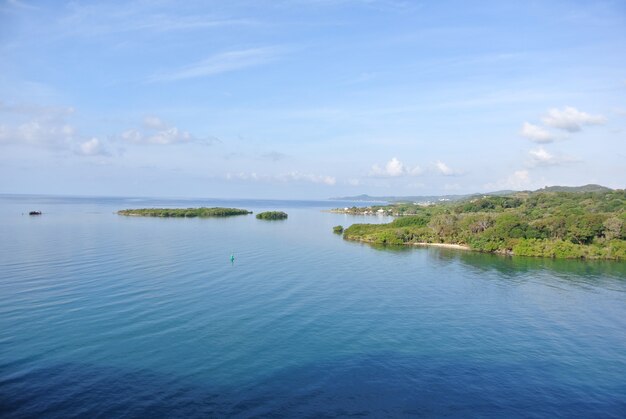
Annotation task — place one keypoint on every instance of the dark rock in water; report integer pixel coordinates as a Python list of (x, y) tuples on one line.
[(34, 213)]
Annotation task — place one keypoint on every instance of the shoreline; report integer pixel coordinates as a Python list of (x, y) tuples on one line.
[(422, 244), (444, 245)]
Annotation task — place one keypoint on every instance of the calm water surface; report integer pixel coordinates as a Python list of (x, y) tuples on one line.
[(110, 316)]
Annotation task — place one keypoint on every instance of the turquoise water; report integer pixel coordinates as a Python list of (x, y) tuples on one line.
[(110, 316)]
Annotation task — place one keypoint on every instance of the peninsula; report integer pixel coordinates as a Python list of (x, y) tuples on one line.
[(184, 212), (544, 223)]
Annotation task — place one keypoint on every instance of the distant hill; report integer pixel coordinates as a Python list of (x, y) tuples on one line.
[(453, 198), (584, 188), (419, 198)]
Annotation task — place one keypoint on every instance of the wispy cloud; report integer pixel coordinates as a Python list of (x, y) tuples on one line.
[(37, 111), (101, 19), (273, 156), (156, 131), (17, 4), (221, 63), (307, 177), (519, 180), (395, 168), (541, 157), (536, 133), (35, 125), (39, 133), (571, 119), (382, 5), (288, 177), (46, 127), (153, 122), (92, 147), (445, 170)]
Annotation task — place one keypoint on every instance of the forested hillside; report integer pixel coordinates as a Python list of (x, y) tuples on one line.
[(549, 224)]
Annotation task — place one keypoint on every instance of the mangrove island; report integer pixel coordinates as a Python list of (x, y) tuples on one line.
[(184, 212), (272, 215)]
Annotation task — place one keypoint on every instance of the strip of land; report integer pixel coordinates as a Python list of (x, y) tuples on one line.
[(588, 225), (184, 212), (272, 215), (444, 245)]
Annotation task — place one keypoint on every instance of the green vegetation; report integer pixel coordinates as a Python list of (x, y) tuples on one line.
[(338, 229), (272, 215), (590, 225), (584, 188), (185, 212)]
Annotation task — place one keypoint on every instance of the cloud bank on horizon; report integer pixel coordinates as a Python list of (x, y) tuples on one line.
[(310, 99)]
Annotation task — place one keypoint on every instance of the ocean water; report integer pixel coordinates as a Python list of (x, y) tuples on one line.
[(110, 316)]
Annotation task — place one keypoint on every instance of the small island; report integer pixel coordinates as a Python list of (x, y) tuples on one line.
[(272, 215), (338, 229), (184, 212), (544, 223)]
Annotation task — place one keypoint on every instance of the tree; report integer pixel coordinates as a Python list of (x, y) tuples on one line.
[(613, 228)]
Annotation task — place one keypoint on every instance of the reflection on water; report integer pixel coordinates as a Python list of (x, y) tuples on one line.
[(102, 314), (565, 268), (515, 265)]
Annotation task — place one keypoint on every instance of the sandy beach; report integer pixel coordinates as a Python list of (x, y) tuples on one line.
[(446, 245)]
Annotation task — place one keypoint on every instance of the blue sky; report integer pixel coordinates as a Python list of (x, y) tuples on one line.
[(310, 98)]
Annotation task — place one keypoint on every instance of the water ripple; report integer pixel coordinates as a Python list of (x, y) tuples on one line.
[(103, 315)]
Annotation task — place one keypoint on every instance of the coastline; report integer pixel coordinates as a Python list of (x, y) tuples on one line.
[(423, 244), (444, 245)]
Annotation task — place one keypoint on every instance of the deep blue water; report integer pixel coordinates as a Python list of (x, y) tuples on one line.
[(110, 316)]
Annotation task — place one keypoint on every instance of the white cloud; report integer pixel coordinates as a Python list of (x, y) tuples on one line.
[(294, 176), (297, 176), (156, 131), (35, 125), (37, 111), (20, 5), (395, 168), (519, 180), (445, 170), (38, 132), (92, 147), (100, 19), (170, 136), (541, 157), (46, 127), (536, 133), (221, 63), (571, 119), (152, 122), (132, 136)]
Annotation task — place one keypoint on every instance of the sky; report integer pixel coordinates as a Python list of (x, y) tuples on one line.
[(310, 99)]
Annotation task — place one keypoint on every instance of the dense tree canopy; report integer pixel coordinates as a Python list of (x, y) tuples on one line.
[(552, 224), (272, 215), (185, 212)]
